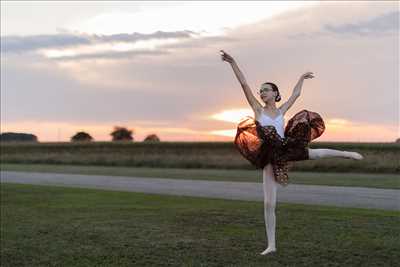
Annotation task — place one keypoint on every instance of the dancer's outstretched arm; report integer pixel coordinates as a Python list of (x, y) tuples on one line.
[(296, 92), (255, 105)]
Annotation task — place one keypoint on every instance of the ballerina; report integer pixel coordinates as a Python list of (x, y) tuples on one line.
[(268, 145)]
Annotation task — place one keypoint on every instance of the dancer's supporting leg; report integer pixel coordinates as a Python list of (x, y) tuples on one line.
[(270, 187), (332, 153)]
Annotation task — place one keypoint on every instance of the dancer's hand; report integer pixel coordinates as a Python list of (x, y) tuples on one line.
[(226, 57), (307, 75)]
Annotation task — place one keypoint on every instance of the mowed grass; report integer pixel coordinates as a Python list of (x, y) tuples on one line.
[(379, 157), (56, 226), (374, 180)]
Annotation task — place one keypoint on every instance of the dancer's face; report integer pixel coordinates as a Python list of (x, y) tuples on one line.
[(267, 93)]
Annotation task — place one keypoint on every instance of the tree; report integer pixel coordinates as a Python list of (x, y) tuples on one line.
[(18, 137), (398, 140), (152, 138), (121, 134), (81, 137)]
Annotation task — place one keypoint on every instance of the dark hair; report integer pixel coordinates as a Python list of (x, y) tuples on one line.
[(274, 88)]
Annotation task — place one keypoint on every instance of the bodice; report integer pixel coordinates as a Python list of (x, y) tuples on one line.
[(278, 122)]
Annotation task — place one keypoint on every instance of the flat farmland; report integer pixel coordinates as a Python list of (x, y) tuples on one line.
[(378, 157)]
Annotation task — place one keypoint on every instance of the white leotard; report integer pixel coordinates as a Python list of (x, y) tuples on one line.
[(278, 122)]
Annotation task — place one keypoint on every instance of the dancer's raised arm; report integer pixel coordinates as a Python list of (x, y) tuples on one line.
[(296, 92), (256, 106)]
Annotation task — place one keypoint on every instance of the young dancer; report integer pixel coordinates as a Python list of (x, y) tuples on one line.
[(269, 145)]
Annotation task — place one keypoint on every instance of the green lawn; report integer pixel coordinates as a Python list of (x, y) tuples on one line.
[(56, 226), (375, 180)]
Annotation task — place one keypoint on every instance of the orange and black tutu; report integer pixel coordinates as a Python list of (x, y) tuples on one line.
[(262, 144)]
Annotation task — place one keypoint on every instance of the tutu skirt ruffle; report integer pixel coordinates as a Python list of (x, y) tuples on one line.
[(262, 144)]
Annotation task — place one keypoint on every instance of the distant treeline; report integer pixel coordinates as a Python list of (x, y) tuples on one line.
[(379, 157), (18, 137), (118, 134)]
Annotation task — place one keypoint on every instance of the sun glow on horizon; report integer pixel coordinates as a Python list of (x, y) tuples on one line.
[(336, 129), (62, 131), (336, 121), (234, 115), (228, 133)]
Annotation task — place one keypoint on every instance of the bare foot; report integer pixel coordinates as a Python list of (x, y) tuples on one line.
[(355, 155), (268, 250)]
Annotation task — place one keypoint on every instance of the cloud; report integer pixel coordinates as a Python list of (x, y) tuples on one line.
[(203, 42), (153, 49), (356, 78), (113, 55), (75, 47), (385, 24), (20, 44)]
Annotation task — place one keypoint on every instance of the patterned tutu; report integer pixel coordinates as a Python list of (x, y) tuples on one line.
[(262, 144)]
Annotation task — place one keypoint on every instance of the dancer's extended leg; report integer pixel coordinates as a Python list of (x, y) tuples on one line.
[(332, 153), (270, 187)]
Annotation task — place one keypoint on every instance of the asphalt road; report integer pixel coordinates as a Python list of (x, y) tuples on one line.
[(340, 196)]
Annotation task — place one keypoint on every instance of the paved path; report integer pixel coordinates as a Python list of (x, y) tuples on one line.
[(358, 197)]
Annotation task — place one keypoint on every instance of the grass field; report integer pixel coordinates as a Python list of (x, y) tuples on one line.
[(312, 178), (379, 157), (55, 226)]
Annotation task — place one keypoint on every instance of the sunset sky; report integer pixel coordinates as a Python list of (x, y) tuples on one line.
[(154, 67)]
